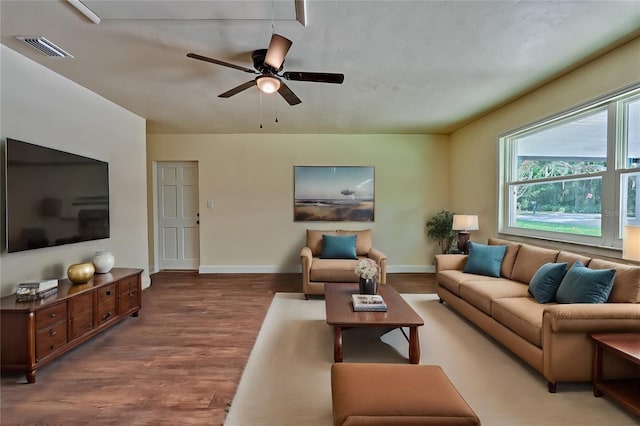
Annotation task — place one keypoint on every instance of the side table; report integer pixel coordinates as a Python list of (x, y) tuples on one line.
[(624, 345)]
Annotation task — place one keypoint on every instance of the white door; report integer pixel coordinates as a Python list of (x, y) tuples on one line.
[(178, 215)]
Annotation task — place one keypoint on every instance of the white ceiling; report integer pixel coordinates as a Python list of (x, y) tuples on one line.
[(409, 66)]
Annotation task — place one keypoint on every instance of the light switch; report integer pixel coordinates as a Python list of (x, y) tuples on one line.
[(209, 204)]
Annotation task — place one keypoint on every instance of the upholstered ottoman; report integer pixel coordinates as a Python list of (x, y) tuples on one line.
[(396, 394)]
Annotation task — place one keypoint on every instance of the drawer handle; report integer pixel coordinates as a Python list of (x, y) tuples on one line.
[(106, 316), (131, 294), (51, 347), (108, 292), (52, 332), (52, 315)]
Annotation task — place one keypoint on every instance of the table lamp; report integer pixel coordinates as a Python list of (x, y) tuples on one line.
[(463, 223), (631, 243)]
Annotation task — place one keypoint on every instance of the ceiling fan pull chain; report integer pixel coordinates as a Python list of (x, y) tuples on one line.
[(260, 102), (275, 102)]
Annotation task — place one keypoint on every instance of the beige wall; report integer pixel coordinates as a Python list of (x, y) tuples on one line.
[(250, 177), (476, 145), (41, 107), (250, 180)]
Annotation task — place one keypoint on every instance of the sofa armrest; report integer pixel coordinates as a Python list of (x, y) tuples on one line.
[(381, 259), (445, 262), (590, 318), (305, 259), (376, 255)]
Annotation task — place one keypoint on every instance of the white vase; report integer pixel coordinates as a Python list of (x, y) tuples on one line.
[(103, 261)]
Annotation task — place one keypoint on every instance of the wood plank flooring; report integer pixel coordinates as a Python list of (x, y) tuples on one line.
[(178, 363)]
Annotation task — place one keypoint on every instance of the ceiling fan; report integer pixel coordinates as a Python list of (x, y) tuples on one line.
[(268, 63)]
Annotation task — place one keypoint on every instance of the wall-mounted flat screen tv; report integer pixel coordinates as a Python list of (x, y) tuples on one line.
[(53, 197)]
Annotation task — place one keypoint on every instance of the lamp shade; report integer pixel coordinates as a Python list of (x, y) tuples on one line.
[(268, 84), (631, 243), (465, 222)]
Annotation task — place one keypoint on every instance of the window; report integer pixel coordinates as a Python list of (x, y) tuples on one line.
[(574, 177), (630, 184)]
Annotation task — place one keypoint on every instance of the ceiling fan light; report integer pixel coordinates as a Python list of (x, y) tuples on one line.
[(268, 84)]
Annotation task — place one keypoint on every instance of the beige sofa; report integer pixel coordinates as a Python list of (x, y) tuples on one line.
[(316, 272), (552, 338)]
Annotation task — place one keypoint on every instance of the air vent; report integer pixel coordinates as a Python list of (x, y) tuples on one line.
[(45, 46)]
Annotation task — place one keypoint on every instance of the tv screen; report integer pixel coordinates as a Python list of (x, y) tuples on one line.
[(53, 197)]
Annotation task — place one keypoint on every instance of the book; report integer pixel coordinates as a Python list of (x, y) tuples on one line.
[(368, 303), (39, 285), (26, 294)]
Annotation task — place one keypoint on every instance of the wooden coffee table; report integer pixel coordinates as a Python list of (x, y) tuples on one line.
[(624, 345), (341, 316)]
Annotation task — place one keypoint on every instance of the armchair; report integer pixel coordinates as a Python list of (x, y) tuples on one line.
[(318, 272)]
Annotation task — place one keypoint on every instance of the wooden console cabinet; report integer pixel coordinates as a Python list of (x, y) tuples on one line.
[(37, 332)]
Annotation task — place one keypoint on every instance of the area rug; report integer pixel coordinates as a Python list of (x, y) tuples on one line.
[(287, 377)]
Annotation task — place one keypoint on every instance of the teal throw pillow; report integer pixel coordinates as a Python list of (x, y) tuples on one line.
[(338, 246), (546, 280), (584, 285), (484, 259)]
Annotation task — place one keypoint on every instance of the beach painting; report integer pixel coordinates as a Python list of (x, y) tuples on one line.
[(333, 193)]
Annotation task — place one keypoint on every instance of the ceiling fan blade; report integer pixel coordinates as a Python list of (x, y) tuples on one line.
[(288, 95), (318, 77), (237, 89), (278, 48), (219, 62)]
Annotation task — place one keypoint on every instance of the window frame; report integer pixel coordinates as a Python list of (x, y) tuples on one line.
[(611, 219)]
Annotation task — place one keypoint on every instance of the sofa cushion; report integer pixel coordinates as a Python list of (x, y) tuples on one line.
[(338, 247), (522, 315), (452, 278), (570, 258), (509, 257), (314, 240), (584, 285), (364, 241), (546, 280), (484, 259), (333, 270), (529, 260), (482, 293), (626, 285)]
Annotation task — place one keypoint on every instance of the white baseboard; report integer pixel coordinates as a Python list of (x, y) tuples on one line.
[(248, 269), (146, 282), (293, 269), (410, 269)]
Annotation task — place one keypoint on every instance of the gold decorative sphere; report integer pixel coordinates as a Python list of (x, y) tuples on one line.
[(80, 273)]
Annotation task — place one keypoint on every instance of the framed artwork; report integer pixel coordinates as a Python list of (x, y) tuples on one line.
[(333, 193)]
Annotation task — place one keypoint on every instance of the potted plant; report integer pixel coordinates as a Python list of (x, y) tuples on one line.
[(439, 228)]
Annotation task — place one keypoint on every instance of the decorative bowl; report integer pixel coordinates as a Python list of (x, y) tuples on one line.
[(80, 273)]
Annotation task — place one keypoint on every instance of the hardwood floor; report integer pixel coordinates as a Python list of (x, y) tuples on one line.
[(178, 363)]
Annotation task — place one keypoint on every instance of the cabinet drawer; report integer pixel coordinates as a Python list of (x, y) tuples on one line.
[(51, 315), (128, 285), (50, 338), (128, 301), (81, 314), (106, 303)]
